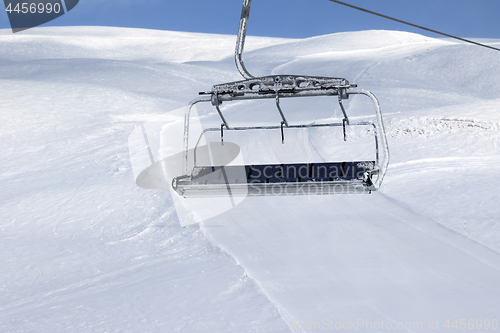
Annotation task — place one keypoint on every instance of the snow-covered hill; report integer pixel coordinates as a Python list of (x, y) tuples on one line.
[(82, 248)]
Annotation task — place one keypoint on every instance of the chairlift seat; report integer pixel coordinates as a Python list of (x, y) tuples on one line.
[(273, 179)]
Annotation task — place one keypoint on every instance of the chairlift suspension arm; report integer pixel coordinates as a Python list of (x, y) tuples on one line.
[(346, 119), (281, 112), (282, 133), (224, 122), (240, 41)]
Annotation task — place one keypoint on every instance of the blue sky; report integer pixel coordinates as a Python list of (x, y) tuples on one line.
[(293, 18)]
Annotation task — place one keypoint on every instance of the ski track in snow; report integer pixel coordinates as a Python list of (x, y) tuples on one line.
[(84, 249)]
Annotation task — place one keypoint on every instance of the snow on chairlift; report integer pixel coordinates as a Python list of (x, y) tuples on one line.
[(286, 179)]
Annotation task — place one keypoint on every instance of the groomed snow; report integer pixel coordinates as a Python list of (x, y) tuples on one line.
[(82, 248)]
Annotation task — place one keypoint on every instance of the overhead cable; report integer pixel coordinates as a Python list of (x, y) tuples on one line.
[(414, 25)]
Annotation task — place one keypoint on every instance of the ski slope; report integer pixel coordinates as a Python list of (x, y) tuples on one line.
[(359, 262), (82, 248)]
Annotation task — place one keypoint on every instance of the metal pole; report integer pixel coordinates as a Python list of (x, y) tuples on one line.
[(240, 41)]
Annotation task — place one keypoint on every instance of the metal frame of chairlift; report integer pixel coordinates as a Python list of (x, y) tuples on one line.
[(366, 176)]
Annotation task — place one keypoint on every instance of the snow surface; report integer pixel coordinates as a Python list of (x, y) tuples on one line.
[(83, 249)]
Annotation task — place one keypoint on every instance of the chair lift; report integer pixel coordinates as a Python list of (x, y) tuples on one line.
[(285, 179)]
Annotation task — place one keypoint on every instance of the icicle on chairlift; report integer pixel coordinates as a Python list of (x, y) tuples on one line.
[(312, 178)]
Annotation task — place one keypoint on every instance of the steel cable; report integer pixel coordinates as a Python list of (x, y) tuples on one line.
[(414, 25)]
